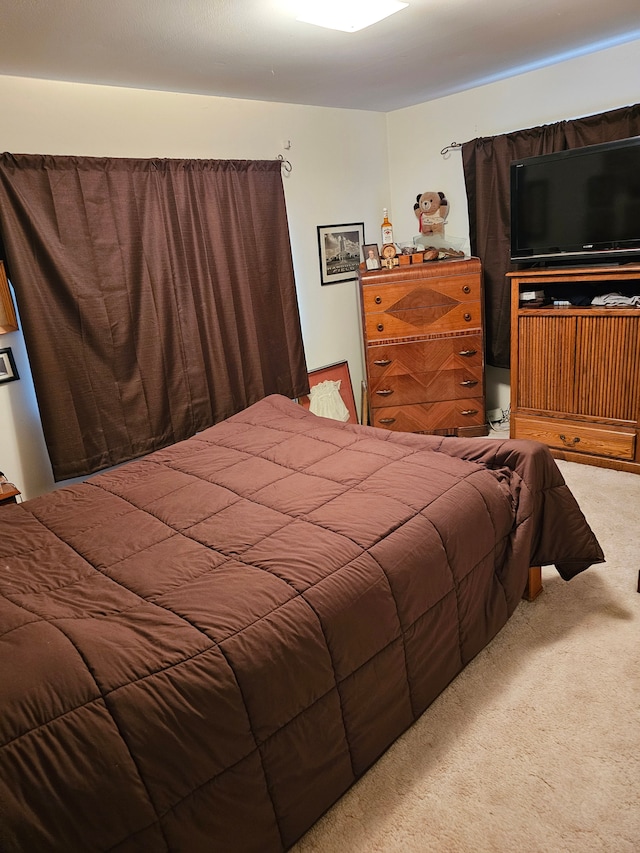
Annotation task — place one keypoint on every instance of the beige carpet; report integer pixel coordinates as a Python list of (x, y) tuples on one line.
[(535, 747)]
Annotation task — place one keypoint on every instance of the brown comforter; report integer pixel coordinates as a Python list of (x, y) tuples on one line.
[(202, 650)]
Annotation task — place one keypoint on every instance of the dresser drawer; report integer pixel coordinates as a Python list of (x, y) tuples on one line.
[(429, 417), (577, 437), (404, 323), (425, 293), (427, 387), (448, 353)]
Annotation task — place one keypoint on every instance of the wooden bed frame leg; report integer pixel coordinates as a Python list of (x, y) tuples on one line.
[(534, 584)]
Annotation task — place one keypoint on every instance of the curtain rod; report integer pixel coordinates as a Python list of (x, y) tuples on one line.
[(286, 165), (451, 147)]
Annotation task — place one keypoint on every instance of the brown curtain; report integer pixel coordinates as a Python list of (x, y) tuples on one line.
[(486, 164), (157, 297)]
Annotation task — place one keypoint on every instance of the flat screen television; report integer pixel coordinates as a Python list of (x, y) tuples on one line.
[(577, 206)]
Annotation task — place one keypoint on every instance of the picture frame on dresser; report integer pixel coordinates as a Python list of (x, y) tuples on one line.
[(8, 370), (371, 255), (339, 251)]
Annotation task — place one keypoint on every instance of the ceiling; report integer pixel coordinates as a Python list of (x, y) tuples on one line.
[(256, 49)]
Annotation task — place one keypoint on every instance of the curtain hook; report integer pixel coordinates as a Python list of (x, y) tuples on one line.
[(286, 165), (450, 147)]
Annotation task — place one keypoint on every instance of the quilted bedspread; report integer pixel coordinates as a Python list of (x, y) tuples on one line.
[(203, 649)]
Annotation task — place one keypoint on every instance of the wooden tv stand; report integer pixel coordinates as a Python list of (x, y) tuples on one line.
[(575, 371)]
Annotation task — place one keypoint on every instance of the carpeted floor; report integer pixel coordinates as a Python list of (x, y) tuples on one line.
[(535, 747)]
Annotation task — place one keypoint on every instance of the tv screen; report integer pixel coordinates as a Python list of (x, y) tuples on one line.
[(581, 205)]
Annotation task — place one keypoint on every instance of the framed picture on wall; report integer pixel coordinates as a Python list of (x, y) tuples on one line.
[(339, 250), (8, 370)]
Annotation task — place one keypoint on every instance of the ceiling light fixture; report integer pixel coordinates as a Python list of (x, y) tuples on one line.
[(346, 15)]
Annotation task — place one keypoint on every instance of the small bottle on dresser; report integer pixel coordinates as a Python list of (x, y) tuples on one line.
[(386, 228)]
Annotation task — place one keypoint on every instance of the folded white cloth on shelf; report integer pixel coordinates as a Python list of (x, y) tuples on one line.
[(616, 299)]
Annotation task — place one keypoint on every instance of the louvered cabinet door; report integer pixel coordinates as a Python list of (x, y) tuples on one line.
[(575, 371), (424, 347), (549, 342)]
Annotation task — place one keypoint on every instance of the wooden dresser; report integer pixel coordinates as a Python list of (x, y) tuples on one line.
[(575, 371), (424, 347)]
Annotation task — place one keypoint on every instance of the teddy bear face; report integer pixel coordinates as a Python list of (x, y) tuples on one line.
[(429, 202)]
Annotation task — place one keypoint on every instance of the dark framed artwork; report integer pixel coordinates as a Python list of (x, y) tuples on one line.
[(339, 250), (8, 371), (334, 372)]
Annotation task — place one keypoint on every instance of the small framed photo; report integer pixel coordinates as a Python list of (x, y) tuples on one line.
[(8, 371), (335, 373), (339, 249), (371, 256)]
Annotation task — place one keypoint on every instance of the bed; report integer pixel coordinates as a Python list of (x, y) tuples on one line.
[(203, 649)]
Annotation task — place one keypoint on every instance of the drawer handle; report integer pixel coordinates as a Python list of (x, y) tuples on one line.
[(569, 442), (378, 300), (382, 362), (467, 317), (469, 412), (469, 383), (387, 420), (467, 353), (384, 392), (466, 289), (380, 327)]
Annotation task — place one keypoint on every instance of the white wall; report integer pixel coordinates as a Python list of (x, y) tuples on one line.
[(334, 154), (577, 87), (347, 166)]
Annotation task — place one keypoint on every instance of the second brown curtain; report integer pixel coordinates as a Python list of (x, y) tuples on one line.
[(486, 164)]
